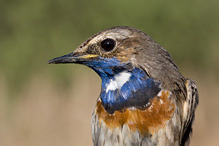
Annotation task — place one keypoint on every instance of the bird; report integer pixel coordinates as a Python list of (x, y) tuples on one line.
[(144, 99)]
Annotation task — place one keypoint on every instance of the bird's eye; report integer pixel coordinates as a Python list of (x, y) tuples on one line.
[(108, 44)]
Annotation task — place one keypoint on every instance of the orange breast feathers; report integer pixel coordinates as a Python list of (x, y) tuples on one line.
[(145, 121)]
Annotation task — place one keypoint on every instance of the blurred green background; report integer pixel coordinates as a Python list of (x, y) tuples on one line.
[(45, 105)]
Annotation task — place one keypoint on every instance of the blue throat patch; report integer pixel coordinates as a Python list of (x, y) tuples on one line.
[(122, 85)]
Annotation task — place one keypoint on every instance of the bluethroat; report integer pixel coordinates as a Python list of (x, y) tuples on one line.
[(144, 99)]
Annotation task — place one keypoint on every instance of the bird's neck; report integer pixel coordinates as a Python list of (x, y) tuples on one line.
[(128, 88)]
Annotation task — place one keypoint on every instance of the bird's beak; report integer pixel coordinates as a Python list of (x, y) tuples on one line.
[(73, 58)]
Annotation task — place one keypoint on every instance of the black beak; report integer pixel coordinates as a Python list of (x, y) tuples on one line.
[(72, 58)]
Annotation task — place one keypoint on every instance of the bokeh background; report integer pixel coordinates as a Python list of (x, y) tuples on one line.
[(51, 105)]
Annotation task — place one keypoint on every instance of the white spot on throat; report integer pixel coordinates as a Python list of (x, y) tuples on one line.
[(119, 81)]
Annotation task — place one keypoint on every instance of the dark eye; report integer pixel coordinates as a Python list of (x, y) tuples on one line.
[(108, 44)]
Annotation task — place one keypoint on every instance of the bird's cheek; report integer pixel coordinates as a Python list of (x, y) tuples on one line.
[(125, 55)]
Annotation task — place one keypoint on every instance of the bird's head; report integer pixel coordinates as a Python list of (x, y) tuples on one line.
[(125, 58), (108, 52)]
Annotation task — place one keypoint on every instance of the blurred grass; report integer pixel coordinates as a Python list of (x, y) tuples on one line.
[(32, 32)]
